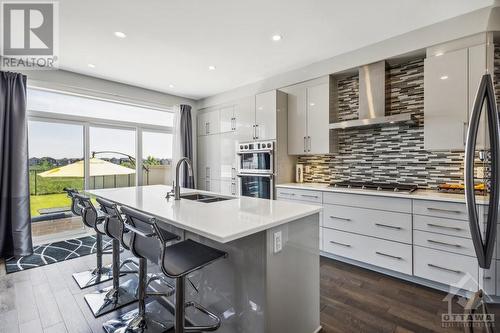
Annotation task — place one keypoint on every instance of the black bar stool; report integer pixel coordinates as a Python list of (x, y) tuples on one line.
[(76, 208), (179, 260), (93, 218), (144, 244), (118, 295)]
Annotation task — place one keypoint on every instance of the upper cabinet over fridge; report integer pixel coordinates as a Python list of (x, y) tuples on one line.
[(452, 73)]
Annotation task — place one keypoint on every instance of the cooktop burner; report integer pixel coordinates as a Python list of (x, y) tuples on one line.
[(388, 187)]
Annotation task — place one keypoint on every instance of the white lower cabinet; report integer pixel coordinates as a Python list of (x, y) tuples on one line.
[(377, 223), (426, 239), (445, 267), (379, 252)]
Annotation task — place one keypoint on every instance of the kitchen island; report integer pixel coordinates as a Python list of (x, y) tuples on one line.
[(270, 280)]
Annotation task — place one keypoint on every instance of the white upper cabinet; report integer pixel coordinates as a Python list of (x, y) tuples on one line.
[(309, 117), (265, 116), (227, 119), (244, 113), (209, 122), (446, 101), (297, 120), (318, 119), (452, 74)]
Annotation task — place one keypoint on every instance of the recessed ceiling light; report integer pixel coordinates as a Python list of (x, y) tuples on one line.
[(211, 68), (277, 38), (91, 65), (439, 54), (444, 77), (170, 85), (120, 34)]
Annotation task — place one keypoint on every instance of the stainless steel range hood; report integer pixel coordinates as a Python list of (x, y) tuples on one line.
[(372, 100)]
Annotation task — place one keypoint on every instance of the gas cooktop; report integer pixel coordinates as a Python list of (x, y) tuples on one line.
[(386, 187)]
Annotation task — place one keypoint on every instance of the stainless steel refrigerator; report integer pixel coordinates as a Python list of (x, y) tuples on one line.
[(483, 239)]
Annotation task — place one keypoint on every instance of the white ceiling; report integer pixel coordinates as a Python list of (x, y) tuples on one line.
[(174, 41)]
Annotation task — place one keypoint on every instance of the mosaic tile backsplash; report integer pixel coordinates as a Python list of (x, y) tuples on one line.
[(392, 153)]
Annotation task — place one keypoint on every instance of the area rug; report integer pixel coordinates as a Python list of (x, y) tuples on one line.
[(52, 253)]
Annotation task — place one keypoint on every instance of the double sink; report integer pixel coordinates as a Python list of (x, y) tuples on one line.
[(206, 198)]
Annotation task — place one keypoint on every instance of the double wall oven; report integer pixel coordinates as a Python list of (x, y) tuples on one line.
[(256, 169)]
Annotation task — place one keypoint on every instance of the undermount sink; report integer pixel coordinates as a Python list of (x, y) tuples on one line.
[(203, 197)]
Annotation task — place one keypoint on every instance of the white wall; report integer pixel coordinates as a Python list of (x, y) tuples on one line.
[(487, 19)]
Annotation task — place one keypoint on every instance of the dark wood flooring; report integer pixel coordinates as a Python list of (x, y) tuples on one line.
[(47, 300)]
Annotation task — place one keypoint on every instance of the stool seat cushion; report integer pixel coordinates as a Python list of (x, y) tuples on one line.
[(187, 256), (127, 237)]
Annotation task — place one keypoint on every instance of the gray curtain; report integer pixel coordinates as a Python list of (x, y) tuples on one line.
[(15, 217), (186, 131)]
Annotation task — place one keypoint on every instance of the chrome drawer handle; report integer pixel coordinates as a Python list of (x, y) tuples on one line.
[(309, 196), (443, 243), (388, 255), (487, 278), (443, 227), (387, 226), (284, 193), (444, 210), (341, 244), (444, 269), (339, 218)]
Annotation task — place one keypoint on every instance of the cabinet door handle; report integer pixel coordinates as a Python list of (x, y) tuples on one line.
[(286, 193), (443, 227), (340, 218), (444, 210), (206, 128), (388, 255), (387, 226), (464, 133), (341, 244), (256, 131), (233, 188), (443, 243), (309, 144), (444, 269), (305, 144)]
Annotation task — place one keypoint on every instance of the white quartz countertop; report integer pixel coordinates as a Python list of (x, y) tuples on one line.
[(418, 194), (221, 221)]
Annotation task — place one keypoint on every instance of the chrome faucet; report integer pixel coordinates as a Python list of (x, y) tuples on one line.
[(177, 188)]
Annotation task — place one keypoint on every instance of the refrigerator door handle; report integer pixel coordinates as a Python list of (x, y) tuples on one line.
[(483, 247)]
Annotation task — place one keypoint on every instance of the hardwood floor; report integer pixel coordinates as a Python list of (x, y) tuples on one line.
[(47, 300)]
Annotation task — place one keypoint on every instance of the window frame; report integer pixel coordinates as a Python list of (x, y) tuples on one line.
[(87, 122)]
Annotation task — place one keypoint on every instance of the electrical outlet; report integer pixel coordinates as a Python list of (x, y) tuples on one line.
[(278, 242)]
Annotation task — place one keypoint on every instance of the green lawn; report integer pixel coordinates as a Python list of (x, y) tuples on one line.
[(48, 201)]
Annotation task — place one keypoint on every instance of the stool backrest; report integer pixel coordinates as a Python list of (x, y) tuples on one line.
[(114, 224), (146, 243), (89, 212), (76, 207)]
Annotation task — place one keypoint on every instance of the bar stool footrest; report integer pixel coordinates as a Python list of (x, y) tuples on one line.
[(205, 311)]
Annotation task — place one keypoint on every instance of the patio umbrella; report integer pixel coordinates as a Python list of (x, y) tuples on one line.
[(98, 167)]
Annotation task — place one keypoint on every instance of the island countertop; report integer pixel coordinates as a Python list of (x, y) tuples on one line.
[(222, 221)]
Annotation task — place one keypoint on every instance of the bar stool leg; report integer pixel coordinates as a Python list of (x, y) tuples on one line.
[(116, 296), (150, 317), (97, 275), (179, 304)]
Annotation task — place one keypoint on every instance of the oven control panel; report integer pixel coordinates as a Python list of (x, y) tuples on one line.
[(252, 146)]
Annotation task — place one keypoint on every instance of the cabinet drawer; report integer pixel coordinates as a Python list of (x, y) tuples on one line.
[(452, 210), (443, 242), (442, 225), (444, 267), (302, 195), (490, 278), (368, 201), (378, 252), (377, 223)]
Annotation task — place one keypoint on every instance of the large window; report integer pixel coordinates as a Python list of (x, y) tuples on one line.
[(88, 143)]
